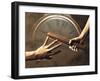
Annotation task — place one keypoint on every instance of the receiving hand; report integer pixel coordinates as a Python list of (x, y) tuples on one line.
[(74, 42)]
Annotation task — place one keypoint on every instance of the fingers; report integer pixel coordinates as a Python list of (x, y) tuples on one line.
[(52, 43), (73, 43), (70, 42), (74, 48), (45, 41), (54, 47)]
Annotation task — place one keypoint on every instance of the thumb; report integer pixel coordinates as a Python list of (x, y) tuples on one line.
[(70, 41)]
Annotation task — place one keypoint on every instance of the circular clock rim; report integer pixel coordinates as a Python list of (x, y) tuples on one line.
[(46, 17)]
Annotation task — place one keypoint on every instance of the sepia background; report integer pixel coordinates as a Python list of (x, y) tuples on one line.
[(34, 40)]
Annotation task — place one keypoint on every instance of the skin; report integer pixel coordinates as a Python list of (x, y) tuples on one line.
[(43, 51), (77, 40)]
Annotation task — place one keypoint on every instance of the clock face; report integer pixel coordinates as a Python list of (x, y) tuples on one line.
[(57, 24)]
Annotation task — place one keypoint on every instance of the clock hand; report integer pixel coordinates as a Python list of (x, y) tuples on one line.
[(63, 39)]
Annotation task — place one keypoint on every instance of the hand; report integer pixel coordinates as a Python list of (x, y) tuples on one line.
[(74, 42), (43, 51)]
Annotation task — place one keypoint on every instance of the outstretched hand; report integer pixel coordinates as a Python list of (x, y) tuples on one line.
[(43, 51)]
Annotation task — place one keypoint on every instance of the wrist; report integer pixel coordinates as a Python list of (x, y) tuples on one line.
[(80, 36)]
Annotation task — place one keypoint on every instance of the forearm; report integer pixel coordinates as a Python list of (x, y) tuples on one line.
[(85, 30)]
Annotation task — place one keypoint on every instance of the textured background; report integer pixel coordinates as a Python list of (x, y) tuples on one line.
[(66, 57)]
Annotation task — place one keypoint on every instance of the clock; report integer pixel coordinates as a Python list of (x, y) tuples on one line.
[(59, 24)]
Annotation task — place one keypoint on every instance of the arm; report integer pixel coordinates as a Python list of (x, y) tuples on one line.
[(85, 30), (44, 51), (77, 40)]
